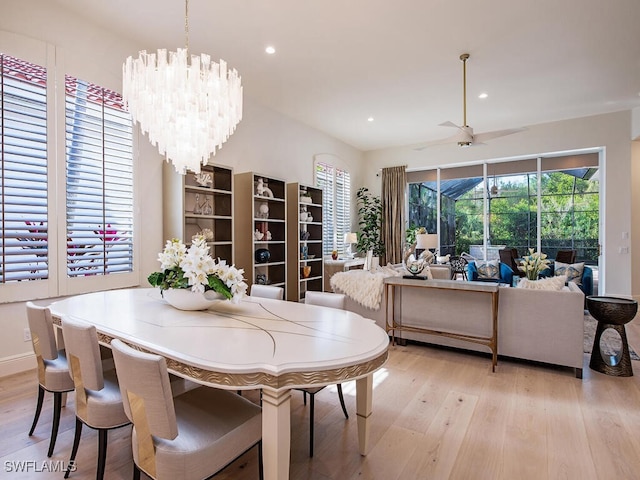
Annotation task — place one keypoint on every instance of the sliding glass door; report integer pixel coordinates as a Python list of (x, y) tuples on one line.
[(547, 204)]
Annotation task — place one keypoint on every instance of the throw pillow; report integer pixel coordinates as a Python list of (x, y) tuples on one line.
[(573, 271), (550, 283), (488, 269)]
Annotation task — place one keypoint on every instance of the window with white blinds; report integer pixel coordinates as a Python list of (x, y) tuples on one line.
[(336, 184), (99, 181), (23, 171)]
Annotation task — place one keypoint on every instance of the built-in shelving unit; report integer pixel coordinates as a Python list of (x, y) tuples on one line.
[(304, 235), (194, 203), (261, 225)]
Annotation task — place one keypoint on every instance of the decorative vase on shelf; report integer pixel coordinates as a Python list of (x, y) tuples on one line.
[(262, 255), (185, 299)]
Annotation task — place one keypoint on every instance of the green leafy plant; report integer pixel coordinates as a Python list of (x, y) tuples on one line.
[(370, 214), (411, 232)]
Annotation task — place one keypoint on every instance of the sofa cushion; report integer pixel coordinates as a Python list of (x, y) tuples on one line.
[(550, 283), (573, 271), (488, 269)]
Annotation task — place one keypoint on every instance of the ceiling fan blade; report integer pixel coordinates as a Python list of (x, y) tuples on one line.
[(464, 135), (482, 137), (433, 143), (449, 124)]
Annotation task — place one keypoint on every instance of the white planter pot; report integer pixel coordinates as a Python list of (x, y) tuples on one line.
[(185, 299)]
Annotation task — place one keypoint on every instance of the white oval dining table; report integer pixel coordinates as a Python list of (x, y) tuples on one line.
[(261, 343)]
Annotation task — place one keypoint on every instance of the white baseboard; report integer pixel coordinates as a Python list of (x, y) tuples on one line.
[(17, 364)]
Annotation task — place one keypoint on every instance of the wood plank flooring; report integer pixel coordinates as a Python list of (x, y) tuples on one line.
[(438, 414)]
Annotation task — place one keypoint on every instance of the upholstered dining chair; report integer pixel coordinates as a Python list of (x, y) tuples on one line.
[(98, 402), (267, 291), (191, 436), (332, 300), (53, 370)]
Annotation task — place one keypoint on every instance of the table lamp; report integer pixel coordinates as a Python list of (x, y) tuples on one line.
[(426, 241), (350, 238)]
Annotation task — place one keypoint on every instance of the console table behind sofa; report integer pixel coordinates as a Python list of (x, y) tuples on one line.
[(538, 325)]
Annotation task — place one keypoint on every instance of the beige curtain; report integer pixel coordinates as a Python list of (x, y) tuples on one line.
[(394, 188)]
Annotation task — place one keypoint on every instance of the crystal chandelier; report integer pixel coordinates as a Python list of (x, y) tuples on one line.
[(188, 106)]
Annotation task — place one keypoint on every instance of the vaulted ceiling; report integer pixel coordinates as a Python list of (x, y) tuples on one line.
[(339, 62)]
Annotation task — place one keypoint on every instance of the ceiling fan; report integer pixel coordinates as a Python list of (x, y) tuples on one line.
[(465, 137)]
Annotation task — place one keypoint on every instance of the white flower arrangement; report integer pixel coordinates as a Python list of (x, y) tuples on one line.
[(194, 268), (533, 264)]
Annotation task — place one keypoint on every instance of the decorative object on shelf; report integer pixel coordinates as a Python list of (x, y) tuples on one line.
[(269, 237), (334, 254), (304, 252), (304, 235), (305, 199), (349, 239), (304, 216), (262, 255), (533, 264), (258, 235), (188, 108), (262, 190), (197, 209), (306, 271), (261, 279), (194, 269), (309, 218), (263, 211), (207, 208), (203, 179)]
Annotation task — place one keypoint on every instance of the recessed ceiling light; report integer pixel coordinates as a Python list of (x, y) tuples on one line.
[(270, 50), (370, 119), (483, 95)]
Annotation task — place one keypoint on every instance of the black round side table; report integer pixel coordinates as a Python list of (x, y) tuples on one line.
[(614, 313)]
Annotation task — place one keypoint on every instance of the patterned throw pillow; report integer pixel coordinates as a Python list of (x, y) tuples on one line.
[(551, 283), (573, 271), (488, 269)]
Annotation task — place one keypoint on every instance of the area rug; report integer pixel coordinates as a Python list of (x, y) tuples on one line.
[(610, 342)]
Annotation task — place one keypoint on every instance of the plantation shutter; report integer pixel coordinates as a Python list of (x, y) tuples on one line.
[(336, 200), (343, 206), (99, 181), (23, 171)]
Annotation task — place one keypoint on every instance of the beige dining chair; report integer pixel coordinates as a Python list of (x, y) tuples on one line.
[(332, 300), (267, 291), (191, 436), (98, 401), (53, 370)]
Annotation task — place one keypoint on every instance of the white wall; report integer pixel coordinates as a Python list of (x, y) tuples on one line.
[(611, 132), (265, 141)]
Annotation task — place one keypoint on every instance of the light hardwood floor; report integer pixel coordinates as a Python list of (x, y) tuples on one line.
[(438, 414)]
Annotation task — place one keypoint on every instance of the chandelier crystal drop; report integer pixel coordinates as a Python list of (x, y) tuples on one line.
[(188, 105)]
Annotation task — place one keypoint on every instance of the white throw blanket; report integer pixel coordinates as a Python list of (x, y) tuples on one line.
[(365, 287)]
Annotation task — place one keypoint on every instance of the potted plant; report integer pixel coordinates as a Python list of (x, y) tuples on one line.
[(370, 214)]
